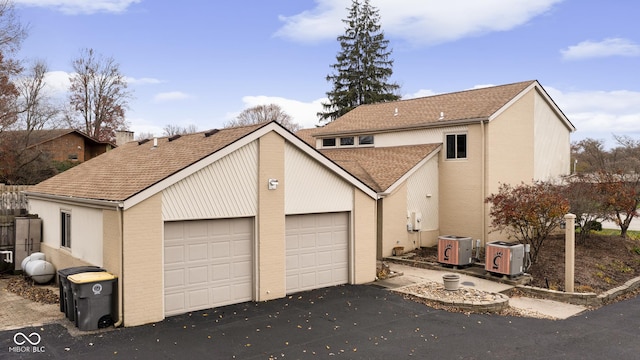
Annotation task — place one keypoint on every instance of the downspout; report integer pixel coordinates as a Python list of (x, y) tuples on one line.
[(120, 282), (484, 182)]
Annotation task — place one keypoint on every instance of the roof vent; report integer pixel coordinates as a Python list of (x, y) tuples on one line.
[(174, 137), (143, 141), (155, 142), (211, 132), (441, 115), (395, 113)]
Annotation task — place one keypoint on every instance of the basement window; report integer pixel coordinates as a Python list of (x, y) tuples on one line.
[(457, 146)]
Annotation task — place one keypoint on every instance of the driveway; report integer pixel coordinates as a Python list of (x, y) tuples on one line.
[(352, 322)]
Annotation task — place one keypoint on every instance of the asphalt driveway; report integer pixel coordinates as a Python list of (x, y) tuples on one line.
[(352, 322)]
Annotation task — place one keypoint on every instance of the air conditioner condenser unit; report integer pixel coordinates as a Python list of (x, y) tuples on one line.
[(504, 258), (455, 250)]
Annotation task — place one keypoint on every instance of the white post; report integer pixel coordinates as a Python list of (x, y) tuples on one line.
[(569, 252)]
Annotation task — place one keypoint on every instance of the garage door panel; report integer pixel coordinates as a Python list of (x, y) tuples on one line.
[(197, 275), (174, 254), (220, 250), (317, 251), (210, 264), (197, 251), (174, 278)]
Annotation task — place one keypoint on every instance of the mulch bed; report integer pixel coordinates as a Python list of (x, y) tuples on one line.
[(26, 288), (601, 263)]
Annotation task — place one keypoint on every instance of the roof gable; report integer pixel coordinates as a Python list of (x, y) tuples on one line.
[(381, 168), (137, 170)]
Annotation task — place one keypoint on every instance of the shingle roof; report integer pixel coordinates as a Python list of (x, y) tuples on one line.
[(463, 105), (380, 168), (125, 171), (37, 137)]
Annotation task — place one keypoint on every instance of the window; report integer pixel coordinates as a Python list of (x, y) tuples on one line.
[(346, 141), (65, 227), (328, 142), (365, 140), (457, 146)]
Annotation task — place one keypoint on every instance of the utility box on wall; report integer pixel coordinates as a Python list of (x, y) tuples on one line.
[(504, 258)]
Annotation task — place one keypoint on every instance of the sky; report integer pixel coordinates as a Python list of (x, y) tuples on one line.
[(201, 62)]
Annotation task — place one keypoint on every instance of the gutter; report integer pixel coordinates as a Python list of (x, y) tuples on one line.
[(95, 203), (437, 124)]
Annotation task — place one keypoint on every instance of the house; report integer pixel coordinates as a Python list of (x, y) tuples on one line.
[(209, 219), (62, 144), (433, 160)]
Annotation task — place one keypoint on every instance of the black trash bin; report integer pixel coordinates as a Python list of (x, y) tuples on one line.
[(66, 295), (93, 296)]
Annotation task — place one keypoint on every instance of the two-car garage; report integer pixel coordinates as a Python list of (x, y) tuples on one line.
[(209, 263)]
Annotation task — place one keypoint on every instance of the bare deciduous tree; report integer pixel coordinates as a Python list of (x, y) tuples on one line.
[(37, 109), (264, 113), (99, 94), (171, 130)]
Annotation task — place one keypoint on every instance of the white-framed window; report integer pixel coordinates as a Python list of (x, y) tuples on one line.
[(365, 140), (65, 228), (347, 141), (456, 145), (328, 142)]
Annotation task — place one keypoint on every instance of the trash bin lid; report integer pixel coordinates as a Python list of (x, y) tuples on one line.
[(89, 277)]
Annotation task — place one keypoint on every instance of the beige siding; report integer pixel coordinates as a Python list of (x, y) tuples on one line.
[(394, 216), (142, 262), (422, 197), (461, 197), (312, 188), (227, 188), (112, 248), (271, 220), (552, 142), (510, 146), (415, 137), (86, 238), (364, 238)]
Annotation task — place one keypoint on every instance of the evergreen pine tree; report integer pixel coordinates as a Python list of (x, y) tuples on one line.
[(363, 65)]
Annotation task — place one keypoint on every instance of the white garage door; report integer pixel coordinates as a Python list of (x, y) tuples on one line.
[(317, 251), (207, 263)]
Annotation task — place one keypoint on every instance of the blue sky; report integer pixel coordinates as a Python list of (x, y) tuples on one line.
[(202, 62)]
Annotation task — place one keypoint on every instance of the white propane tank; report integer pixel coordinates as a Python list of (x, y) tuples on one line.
[(40, 271), (23, 264)]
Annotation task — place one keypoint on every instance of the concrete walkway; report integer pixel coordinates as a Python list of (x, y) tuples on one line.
[(412, 275), (17, 312)]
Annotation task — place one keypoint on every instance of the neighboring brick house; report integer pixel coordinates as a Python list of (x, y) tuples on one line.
[(66, 144)]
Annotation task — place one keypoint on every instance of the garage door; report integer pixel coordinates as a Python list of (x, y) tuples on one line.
[(207, 263), (317, 251)]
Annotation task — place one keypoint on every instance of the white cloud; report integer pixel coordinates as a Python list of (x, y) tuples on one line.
[(598, 114), (605, 48), (142, 81), (418, 94), (57, 83), (170, 96), (303, 113), (81, 6), (418, 21)]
